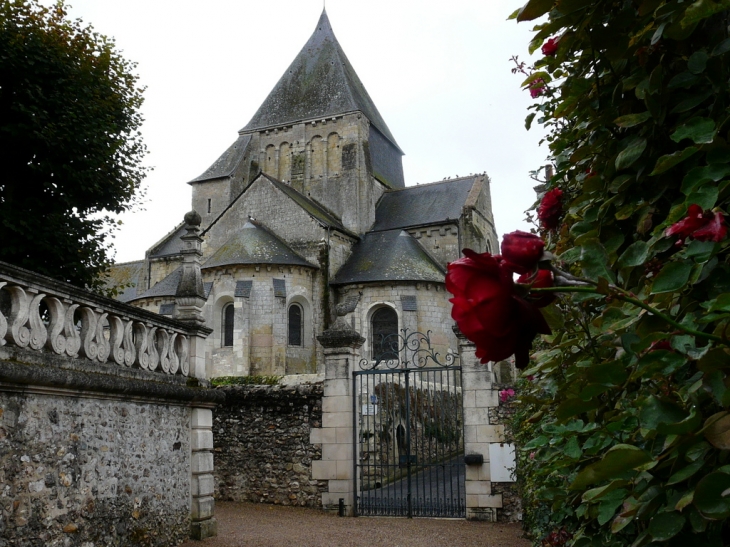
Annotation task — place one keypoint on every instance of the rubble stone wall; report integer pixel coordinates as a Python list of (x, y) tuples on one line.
[(91, 471), (262, 445)]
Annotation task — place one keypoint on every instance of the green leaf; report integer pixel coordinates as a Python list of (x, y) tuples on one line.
[(534, 9), (630, 120), (703, 9), (687, 425), (618, 460), (612, 374), (572, 448), (631, 153), (711, 496), (684, 79), (721, 303), (553, 316), (699, 175), (655, 412), (666, 162), (607, 509), (721, 48), (672, 277), (699, 130), (595, 261), (620, 183), (528, 120), (697, 62), (691, 102), (574, 407), (665, 526), (705, 197), (571, 255), (634, 255), (685, 473), (685, 500), (597, 493), (717, 430)]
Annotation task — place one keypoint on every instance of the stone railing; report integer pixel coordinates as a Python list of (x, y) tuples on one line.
[(42, 314)]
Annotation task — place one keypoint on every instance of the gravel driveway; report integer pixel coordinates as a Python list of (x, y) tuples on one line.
[(259, 525)]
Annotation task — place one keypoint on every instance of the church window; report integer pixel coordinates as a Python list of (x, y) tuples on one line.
[(284, 162), (334, 155), (209, 200), (227, 325), (295, 325), (384, 339)]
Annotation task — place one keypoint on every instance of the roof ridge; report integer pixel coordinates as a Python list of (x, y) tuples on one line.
[(138, 261), (393, 190)]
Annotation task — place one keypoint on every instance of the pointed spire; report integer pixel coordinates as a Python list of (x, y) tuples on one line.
[(320, 83)]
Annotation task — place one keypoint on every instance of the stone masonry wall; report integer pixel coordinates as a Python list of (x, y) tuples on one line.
[(262, 448), (92, 472)]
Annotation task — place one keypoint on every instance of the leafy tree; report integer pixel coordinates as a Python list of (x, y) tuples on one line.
[(70, 148), (625, 426)]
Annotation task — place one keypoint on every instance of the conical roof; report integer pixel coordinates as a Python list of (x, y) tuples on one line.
[(392, 255), (253, 244), (320, 83)]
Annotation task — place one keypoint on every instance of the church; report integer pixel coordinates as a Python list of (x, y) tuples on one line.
[(307, 220)]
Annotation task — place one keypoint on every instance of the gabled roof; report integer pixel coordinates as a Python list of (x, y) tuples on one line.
[(422, 205), (389, 256), (166, 287), (227, 163), (319, 83), (312, 208), (254, 244), (126, 275), (169, 245)]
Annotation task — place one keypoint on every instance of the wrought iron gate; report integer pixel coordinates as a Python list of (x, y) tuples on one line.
[(409, 432)]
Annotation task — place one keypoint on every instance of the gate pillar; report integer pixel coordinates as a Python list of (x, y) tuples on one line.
[(479, 397), (341, 351)]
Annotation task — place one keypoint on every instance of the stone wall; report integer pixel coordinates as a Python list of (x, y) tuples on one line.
[(92, 472), (262, 444)]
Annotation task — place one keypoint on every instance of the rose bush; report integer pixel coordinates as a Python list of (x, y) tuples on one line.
[(624, 433)]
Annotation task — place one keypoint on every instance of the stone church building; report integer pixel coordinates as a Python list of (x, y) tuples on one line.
[(306, 219)]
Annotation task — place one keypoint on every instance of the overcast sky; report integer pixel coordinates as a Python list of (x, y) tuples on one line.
[(439, 73)]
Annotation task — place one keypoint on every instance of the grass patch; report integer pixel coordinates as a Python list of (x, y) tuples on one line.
[(246, 380)]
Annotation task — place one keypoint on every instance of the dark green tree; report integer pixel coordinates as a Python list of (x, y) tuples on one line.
[(70, 148)]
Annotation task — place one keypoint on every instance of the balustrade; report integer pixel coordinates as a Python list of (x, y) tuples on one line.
[(46, 315)]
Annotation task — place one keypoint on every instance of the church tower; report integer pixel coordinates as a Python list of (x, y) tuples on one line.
[(319, 132)]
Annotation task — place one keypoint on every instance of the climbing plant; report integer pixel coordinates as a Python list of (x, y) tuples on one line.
[(624, 427)]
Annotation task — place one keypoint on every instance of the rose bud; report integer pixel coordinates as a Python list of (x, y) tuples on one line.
[(550, 48), (522, 251), (550, 209)]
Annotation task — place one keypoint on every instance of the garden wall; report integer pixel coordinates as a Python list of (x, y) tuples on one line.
[(262, 448)]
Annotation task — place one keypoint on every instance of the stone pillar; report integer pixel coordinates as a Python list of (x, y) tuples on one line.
[(202, 504), (479, 397), (341, 351), (190, 296)]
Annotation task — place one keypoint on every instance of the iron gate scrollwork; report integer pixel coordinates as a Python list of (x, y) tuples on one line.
[(409, 440)]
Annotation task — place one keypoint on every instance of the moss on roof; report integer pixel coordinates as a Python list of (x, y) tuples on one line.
[(389, 256), (124, 277), (254, 244)]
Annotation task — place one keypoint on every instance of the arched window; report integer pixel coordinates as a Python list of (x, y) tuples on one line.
[(384, 334), (227, 325), (295, 325)]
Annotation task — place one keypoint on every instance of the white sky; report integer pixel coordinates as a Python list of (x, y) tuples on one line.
[(439, 73)]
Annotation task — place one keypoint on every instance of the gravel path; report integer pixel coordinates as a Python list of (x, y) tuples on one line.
[(259, 525)]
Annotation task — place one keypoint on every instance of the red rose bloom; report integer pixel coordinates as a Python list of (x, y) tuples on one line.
[(550, 48), (700, 225), (714, 230), (537, 87), (487, 310), (551, 207), (522, 251), (539, 280)]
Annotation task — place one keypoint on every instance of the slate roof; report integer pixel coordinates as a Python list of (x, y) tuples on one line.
[(125, 273), (422, 205), (165, 287), (319, 83), (254, 244), (226, 164), (169, 245), (389, 256)]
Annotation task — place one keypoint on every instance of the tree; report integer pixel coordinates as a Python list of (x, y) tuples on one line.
[(70, 147)]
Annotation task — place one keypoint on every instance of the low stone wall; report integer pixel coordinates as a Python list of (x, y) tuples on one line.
[(262, 448), (511, 510)]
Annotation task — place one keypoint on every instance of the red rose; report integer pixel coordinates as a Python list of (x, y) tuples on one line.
[(550, 48), (539, 280), (700, 225), (551, 207), (713, 230), (537, 88), (487, 310), (522, 250)]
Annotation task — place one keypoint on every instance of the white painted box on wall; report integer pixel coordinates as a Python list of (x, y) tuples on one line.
[(502, 462)]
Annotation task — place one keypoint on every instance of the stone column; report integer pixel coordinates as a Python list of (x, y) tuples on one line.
[(204, 524), (479, 397), (341, 351)]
